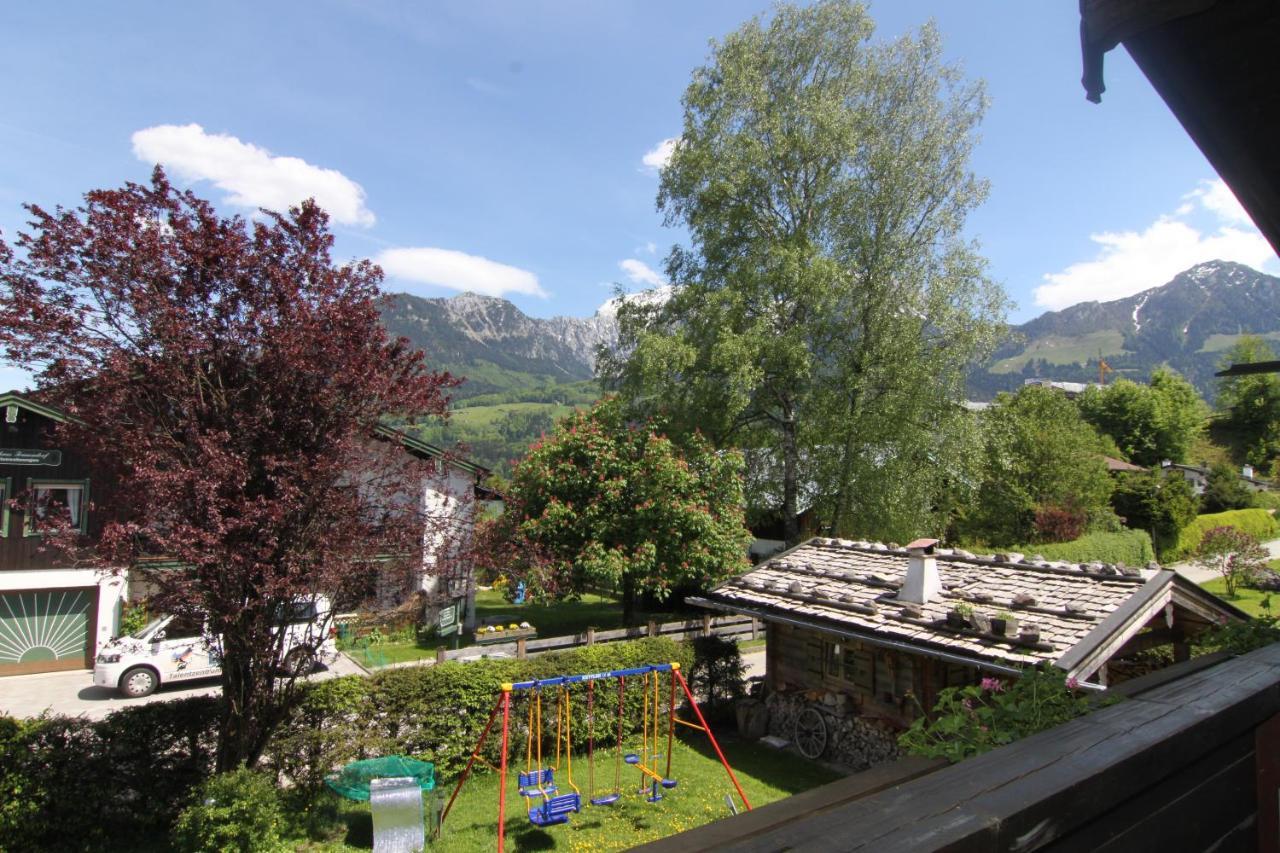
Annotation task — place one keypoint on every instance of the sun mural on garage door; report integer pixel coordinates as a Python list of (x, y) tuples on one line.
[(43, 626)]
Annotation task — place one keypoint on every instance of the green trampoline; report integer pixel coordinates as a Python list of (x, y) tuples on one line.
[(353, 780)]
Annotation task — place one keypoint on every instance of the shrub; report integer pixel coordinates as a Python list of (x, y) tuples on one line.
[(1131, 547), (1258, 523), (717, 672), (436, 713), (236, 812), (968, 721), (1059, 523), (1240, 637), (1160, 505), (1234, 554), (1266, 499), (1224, 490), (72, 784), (68, 783)]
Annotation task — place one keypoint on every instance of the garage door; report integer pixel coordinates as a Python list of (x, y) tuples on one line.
[(44, 630)]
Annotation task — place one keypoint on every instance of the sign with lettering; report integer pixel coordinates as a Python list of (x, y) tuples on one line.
[(23, 456), (448, 621)]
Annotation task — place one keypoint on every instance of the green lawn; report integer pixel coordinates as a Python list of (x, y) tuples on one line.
[(1075, 349), (766, 775), (563, 618), (552, 620), (1248, 600)]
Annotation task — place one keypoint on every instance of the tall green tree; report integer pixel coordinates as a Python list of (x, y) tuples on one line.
[(1150, 423), (1249, 406), (828, 307), (605, 500), (1040, 457), (1160, 505)]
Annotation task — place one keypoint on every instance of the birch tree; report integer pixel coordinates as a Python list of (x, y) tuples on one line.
[(828, 305)]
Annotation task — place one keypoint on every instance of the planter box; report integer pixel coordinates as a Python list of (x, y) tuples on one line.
[(505, 636), (1004, 627)]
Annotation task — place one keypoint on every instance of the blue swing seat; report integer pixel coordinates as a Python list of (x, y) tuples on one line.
[(606, 799), (537, 783), (631, 758), (669, 783), (555, 810)]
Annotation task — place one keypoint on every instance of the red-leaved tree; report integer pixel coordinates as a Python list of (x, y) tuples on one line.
[(228, 379)]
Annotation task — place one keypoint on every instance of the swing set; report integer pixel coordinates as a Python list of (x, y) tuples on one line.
[(539, 783)]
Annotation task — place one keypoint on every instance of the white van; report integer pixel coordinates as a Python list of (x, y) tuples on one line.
[(176, 648)]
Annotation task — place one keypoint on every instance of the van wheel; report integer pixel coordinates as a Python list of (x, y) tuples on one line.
[(138, 682), (300, 661)]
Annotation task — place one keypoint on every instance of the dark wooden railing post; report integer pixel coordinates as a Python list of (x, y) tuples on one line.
[(706, 624), (653, 628)]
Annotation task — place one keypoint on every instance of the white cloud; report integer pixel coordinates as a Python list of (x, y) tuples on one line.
[(1129, 262), (252, 176), (641, 273), (660, 154), (1218, 198), (458, 271)]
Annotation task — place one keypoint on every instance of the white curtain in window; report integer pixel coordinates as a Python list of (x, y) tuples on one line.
[(73, 504)]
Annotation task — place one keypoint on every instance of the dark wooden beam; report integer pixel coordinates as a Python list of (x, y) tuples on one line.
[(1250, 367)]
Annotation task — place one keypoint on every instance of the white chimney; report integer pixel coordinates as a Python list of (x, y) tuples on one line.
[(922, 583)]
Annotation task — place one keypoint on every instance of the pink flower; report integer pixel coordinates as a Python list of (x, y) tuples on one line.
[(1072, 683), (995, 685)]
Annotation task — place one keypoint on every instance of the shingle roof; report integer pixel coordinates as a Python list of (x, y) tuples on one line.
[(852, 587)]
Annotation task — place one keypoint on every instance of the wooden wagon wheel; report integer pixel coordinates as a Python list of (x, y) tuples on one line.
[(811, 733)]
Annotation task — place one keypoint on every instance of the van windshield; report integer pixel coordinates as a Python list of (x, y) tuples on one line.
[(148, 628)]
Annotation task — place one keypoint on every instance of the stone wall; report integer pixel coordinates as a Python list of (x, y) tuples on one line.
[(851, 740)]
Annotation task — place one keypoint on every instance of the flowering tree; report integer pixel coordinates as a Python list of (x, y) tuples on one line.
[(608, 501), (1234, 554), (227, 379)]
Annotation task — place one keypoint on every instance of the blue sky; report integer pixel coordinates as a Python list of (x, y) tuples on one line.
[(501, 146)]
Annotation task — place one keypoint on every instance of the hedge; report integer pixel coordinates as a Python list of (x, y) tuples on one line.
[(1131, 547), (67, 783), (1258, 523)]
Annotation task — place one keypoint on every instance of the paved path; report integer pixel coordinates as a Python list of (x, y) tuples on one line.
[(73, 692), (1199, 574)]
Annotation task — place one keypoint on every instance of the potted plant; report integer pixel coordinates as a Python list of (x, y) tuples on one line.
[(1004, 623), (1029, 633), (959, 615)]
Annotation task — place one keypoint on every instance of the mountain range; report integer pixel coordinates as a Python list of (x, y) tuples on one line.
[(495, 344), (1186, 324)]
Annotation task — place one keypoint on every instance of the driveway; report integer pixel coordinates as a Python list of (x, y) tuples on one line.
[(73, 693), (1199, 574)]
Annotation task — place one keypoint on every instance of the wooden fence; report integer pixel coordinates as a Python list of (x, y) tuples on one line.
[(737, 627)]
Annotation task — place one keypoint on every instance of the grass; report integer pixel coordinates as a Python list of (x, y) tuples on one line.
[(563, 618), (1248, 600), (1064, 350), (550, 620), (765, 774)]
